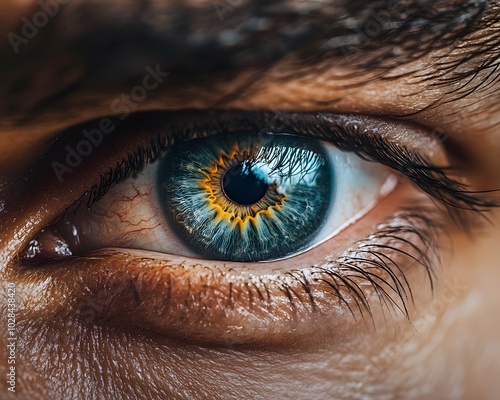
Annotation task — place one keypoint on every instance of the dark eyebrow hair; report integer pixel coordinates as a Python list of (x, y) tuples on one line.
[(215, 38)]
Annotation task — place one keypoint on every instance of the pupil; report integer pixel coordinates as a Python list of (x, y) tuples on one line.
[(242, 186)]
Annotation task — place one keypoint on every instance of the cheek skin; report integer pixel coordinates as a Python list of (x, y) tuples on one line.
[(170, 371), (435, 355), (456, 349)]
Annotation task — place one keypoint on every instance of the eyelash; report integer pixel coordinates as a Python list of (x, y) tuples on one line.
[(432, 179)]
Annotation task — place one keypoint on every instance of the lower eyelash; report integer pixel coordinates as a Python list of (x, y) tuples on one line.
[(408, 238), (188, 301)]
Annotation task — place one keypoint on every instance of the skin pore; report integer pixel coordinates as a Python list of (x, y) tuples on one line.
[(445, 346)]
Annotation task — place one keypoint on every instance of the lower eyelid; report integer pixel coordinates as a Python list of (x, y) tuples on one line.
[(234, 303)]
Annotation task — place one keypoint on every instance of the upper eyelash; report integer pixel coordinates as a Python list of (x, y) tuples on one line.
[(432, 179)]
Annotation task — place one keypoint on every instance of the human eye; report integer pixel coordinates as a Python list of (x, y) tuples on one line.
[(253, 196), (252, 211), (360, 263)]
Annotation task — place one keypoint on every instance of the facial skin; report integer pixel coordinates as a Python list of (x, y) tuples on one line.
[(447, 346)]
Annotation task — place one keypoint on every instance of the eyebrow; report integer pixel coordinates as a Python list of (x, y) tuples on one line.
[(217, 37)]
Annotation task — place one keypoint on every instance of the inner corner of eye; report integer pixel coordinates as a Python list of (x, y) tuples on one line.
[(56, 242)]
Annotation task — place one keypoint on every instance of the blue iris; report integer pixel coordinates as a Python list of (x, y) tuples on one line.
[(246, 197)]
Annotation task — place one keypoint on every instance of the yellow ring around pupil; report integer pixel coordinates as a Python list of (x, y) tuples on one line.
[(227, 210)]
